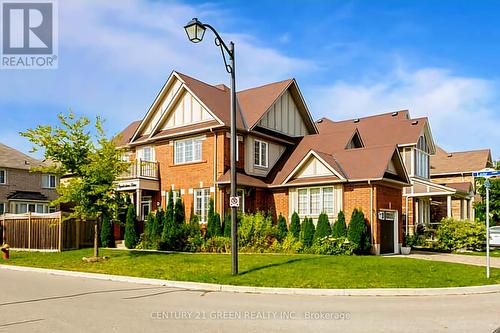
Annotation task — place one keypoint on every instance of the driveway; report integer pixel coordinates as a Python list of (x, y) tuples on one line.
[(39, 302), (454, 258)]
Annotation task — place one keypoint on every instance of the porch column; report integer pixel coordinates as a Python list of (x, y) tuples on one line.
[(138, 197), (471, 210), (448, 206), (463, 209)]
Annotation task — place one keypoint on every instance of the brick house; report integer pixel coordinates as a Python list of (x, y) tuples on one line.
[(455, 170), (21, 190), (286, 162)]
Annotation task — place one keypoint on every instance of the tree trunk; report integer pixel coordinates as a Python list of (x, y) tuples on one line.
[(96, 238)]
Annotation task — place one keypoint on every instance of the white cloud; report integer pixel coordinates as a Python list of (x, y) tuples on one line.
[(462, 110), (114, 57)]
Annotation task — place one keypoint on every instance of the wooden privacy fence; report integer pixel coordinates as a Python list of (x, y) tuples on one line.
[(45, 232)]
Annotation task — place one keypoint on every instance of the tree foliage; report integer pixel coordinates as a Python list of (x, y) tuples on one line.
[(295, 225), (179, 212), (480, 206), (131, 238), (107, 235), (339, 227), (88, 156), (282, 228), (307, 232), (323, 227), (211, 226), (227, 225), (358, 232)]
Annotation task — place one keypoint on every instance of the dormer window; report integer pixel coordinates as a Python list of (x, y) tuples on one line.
[(422, 152), (355, 141), (261, 154)]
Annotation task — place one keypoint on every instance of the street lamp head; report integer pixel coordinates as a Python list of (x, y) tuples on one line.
[(195, 30)]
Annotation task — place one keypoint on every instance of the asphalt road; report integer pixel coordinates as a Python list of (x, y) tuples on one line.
[(38, 302)]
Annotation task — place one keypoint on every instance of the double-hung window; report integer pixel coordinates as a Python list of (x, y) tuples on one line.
[(3, 177), (315, 200), (261, 153), (188, 150), (146, 154), (201, 203), (49, 181)]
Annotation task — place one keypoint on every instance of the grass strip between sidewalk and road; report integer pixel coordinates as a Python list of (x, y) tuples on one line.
[(268, 270)]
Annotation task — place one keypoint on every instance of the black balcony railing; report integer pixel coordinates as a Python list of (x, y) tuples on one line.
[(141, 169)]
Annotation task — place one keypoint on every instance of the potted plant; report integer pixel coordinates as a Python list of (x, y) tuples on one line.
[(406, 247)]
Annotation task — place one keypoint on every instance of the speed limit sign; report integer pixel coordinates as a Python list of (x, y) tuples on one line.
[(234, 202)]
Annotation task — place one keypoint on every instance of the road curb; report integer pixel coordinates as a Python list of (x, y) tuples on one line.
[(197, 286)]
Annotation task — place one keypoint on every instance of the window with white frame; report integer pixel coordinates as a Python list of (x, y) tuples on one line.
[(261, 153), (422, 158), (187, 150), (315, 200), (201, 203), (3, 176), (146, 154), (49, 181), (33, 207)]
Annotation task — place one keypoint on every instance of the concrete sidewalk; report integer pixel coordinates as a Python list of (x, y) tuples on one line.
[(454, 258)]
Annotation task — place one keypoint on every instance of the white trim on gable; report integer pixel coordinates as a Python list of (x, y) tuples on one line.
[(305, 160)]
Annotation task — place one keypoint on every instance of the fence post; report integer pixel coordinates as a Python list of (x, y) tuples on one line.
[(29, 231), (60, 231)]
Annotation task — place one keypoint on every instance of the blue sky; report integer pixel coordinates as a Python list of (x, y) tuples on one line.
[(351, 58)]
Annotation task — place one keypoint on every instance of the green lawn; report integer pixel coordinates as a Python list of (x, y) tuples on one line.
[(269, 270)]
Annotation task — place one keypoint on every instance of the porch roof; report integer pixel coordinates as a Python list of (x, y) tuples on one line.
[(242, 179)]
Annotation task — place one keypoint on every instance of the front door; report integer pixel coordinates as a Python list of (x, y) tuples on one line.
[(387, 232)]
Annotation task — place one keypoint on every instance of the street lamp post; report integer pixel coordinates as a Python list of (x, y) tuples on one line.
[(195, 31)]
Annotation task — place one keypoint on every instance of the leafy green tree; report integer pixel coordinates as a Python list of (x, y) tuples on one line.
[(307, 232), (339, 227), (131, 238), (323, 227), (89, 157), (480, 206), (282, 228), (107, 236), (295, 225), (227, 225), (358, 232)]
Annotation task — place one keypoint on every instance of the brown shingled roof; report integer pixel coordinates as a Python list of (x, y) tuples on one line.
[(256, 101), (459, 162), (123, 138), (389, 128), (14, 159)]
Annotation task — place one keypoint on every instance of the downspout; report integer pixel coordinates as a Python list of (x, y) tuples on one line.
[(372, 222), (406, 215), (215, 170)]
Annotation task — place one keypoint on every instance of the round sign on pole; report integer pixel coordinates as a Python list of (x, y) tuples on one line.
[(234, 202)]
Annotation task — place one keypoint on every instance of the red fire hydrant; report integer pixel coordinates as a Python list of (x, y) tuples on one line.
[(5, 251)]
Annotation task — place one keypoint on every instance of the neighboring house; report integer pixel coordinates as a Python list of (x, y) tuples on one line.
[(21, 190), (286, 161), (455, 170)]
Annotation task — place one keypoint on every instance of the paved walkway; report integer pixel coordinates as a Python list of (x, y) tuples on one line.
[(455, 258)]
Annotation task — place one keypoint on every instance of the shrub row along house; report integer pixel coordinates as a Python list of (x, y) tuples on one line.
[(286, 161), (21, 190)]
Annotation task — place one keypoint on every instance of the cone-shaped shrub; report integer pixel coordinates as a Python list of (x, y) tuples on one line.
[(148, 228), (217, 225), (169, 213), (158, 226), (358, 232), (307, 232), (323, 227), (295, 225), (107, 236), (194, 225), (282, 228), (211, 228), (227, 225), (339, 227), (179, 212), (131, 238)]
